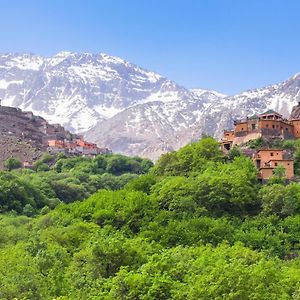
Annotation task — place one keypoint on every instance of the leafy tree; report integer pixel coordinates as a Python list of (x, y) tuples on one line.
[(229, 188), (280, 199), (42, 167), (12, 163), (176, 193), (28, 210), (234, 152), (143, 183), (191, 158)]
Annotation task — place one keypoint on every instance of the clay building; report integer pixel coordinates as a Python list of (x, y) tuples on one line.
[(77, 147), (266, 160), (56, 143), (268, 124)]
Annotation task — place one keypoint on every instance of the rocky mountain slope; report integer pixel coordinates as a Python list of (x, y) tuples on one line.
[(124, 107), (20, 136), (79, 90), (279, 97), (157, 127)]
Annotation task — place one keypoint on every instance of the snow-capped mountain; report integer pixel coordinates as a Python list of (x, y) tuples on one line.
[(127, 108), (279, 97), (79, 90), (157, 127)]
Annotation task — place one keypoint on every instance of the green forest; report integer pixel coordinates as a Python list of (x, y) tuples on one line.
[(196, 225)]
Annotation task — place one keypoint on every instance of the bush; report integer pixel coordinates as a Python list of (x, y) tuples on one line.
[(12, 163)]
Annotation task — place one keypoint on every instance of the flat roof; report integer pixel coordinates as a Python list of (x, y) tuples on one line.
[(270, 150)]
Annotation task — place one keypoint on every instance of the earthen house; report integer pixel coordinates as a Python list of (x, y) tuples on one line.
[(267, 125), (266, 160)]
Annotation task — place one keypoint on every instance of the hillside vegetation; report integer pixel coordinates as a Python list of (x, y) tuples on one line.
[(197, 225)]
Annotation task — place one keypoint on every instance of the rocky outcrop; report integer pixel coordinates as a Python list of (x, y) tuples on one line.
[(295, 114), (24, 136)]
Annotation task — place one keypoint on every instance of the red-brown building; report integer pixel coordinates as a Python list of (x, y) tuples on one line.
[(268, 124), (79, 146), (56, 144), (266, 160)]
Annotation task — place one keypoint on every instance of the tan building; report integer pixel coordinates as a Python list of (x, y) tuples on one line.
[(56, 143), (266, 160), (268, 124)]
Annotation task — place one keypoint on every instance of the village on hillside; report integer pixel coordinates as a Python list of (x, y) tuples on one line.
[(270, 126), (26, 133)]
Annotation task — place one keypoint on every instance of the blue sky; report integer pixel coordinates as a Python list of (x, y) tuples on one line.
[(226, 45)]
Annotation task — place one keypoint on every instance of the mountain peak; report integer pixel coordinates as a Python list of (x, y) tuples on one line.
[(64, 53), (296, 76), (125, 107)]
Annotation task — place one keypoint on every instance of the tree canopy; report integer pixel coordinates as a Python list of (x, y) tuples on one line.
[(196, 225)]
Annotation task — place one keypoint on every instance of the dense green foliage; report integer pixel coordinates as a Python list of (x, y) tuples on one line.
[(12, 163), (197, 225), (55, 180)]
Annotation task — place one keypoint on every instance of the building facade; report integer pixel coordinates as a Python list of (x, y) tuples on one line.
[(266, 160), (268, 125)]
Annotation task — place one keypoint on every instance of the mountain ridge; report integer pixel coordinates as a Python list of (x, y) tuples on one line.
[(125, 107)]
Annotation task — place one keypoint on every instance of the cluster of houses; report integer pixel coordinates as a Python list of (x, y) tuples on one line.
[(269, 125), (39, 137), (77, 146), (59, 140)]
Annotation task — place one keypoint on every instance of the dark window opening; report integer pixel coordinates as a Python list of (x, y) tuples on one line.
[(272, 154), (227, 146), (276, 164), (258, 163), (273, 126)]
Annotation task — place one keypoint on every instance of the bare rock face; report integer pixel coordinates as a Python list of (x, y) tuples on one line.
[(25, 136), (295, 114), (20, 136)]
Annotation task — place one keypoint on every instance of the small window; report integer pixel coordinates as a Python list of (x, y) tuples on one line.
[(277, 153), (273, 126), (288, 164), (253, 126), (286, 129), (272, 154), (276, 164), (242, 128)]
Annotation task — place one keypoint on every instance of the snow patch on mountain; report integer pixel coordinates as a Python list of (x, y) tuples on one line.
[(125, 107)]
